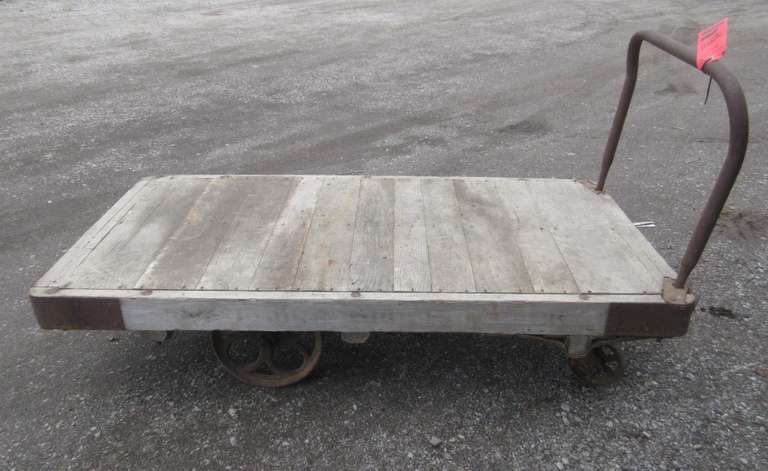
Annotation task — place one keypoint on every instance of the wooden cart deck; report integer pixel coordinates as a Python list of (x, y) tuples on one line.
[(352, 253)]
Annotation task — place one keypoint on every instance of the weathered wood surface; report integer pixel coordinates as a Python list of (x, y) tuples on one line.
[(369, 234), (412, 272), (134, 240), (534, 314), (449, 262)]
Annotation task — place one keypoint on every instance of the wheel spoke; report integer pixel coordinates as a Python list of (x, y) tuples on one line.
[(270, 364), (305, 353), (265, 355)]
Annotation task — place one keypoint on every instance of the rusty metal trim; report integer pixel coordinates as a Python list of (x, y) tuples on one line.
[(648, 320), (738, 119), (78, 313)]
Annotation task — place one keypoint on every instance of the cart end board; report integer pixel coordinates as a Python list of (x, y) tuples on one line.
[(353, 253)]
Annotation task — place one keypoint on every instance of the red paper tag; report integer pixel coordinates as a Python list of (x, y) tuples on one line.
[(713, 42)]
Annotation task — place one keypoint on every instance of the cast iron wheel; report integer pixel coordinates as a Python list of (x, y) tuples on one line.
[(603, 365), (268, 359)]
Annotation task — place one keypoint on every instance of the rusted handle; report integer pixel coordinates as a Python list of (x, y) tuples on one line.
[(737, 147)]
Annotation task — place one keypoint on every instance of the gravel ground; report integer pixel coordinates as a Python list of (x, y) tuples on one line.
[(95, 95)]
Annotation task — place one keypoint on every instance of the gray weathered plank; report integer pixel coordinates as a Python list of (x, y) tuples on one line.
[(280, 261), (325, 263), (449, 260), (491, 234), (622, 227), (372, 262), (601, 264), (183, 259), (598, 258), (586, 201), (412, 271), (635, 239), (390, 312), (546, 267), (77, 253), (122, 256), (237, 257), (542, 314)]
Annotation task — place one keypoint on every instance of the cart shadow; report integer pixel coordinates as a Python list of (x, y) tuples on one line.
[(442, 360), (401, 385), (420, 362)]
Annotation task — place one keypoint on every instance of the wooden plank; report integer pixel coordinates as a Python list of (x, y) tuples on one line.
[(598, 258), (114, 215), (491, 234), (548, 271), (122, 256), (325, 264), (644, 251), (449, 261), (587, 201), (77, 253), (351, 315), (183, 259), (601, 264), (280, 261), (412, 271), (372, 262), (213, 295), (235, 261), (542, 314), (635, 238), (643, 315)]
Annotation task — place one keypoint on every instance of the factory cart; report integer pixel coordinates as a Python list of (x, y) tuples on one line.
[(266, 263)]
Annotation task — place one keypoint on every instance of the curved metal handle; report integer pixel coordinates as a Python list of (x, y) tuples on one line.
[(737, 147)]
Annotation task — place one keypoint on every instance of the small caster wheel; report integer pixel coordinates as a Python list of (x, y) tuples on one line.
[(603, 365), (268, 359)]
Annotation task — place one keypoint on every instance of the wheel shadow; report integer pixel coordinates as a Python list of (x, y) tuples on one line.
[(185, 368)]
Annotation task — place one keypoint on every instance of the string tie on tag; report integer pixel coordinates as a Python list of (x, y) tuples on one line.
[(709, 84)]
